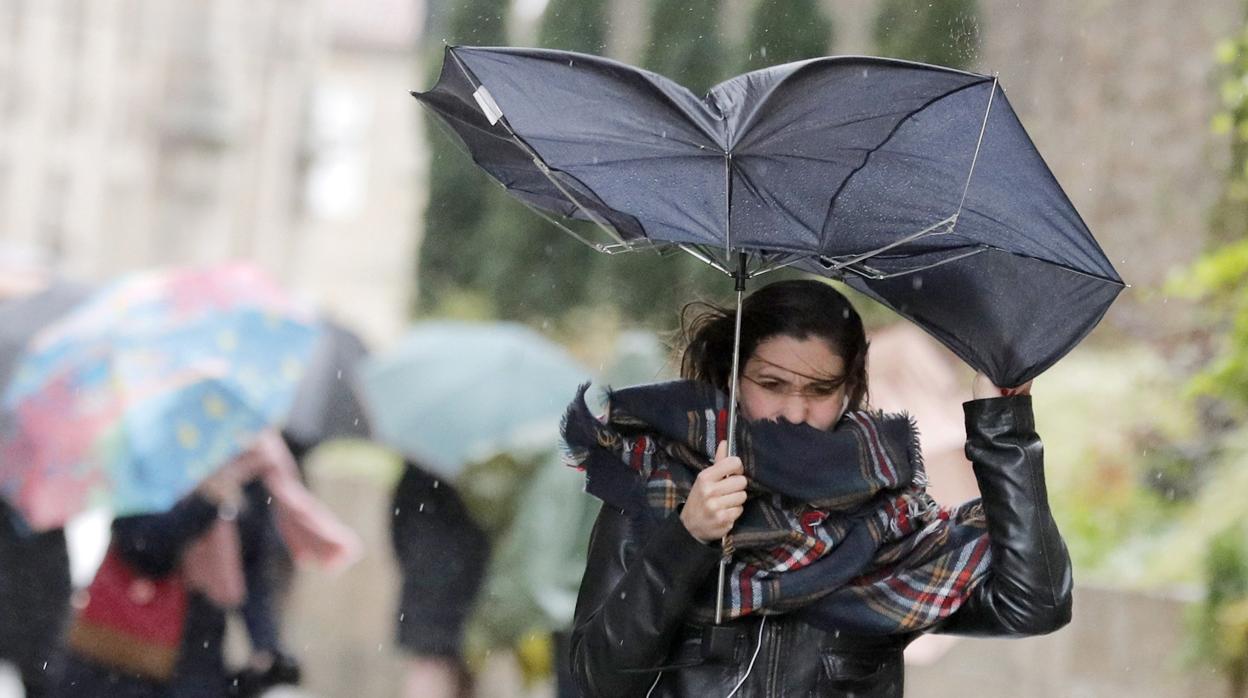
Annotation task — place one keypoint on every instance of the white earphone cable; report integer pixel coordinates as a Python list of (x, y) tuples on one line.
[(758, 646)]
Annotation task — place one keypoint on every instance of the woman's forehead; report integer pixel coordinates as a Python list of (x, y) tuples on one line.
[(809, 358)]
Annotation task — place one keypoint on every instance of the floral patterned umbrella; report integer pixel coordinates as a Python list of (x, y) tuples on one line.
[(146, 388)]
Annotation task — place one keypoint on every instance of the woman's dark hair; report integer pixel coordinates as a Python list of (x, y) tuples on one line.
[(799, 308)]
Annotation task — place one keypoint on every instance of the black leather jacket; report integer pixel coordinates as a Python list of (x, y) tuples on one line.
[(630, 637)]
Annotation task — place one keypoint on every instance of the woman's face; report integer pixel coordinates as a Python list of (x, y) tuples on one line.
[(796, 380)]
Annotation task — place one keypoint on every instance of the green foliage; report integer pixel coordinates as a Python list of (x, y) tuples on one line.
[(1218, 626), (575, 25), (1218, 632), (459, 193), (685, 44), (786, 30), (941, 32), (1220, 279), (1229, 218), (533, 270)]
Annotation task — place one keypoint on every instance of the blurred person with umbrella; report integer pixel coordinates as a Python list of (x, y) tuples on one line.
[(34, 568), (153, 622), (535, 575), (914, 184), (130, 401), (324, 408), (448, 395)]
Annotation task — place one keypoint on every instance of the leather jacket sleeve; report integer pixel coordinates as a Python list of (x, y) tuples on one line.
[(632, 602), (1028, 589)]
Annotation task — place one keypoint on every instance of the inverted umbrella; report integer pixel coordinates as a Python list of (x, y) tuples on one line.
[(915, 184), (452, 393), (147, 387)]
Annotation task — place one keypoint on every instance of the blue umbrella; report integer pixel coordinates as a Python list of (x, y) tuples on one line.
[(456, 392), (145, 388)]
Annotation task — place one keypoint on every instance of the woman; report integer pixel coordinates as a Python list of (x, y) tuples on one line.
[(195, 563), (839, 558)]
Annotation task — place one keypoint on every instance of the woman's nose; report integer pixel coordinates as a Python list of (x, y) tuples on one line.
[(795, 409)]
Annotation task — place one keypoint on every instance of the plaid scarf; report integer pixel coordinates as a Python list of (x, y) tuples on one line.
[(838, 524)]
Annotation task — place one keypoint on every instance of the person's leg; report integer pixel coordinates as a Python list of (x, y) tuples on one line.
[(432, 677)]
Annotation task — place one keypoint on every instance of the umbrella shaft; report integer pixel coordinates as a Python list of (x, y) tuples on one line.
[(735, 378), (719, 598), (734, 383)]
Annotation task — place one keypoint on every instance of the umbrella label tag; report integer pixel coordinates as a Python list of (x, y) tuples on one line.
[(488, 105)]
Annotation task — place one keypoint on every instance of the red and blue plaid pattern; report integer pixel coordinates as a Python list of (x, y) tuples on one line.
[(838, 525)]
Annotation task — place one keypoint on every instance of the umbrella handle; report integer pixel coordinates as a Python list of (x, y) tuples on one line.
[(740, 276)]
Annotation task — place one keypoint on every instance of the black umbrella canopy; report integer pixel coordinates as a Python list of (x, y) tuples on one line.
[(326, 406), (915, 184)]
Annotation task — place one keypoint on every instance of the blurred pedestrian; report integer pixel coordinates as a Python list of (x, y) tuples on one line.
[(837, 555), (153, 623), (442, 555), (34, 598)]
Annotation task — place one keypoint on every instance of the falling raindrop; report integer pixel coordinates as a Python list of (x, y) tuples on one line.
[(436, 483), (917, 283)]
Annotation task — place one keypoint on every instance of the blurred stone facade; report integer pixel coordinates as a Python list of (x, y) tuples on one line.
[(136, 133)]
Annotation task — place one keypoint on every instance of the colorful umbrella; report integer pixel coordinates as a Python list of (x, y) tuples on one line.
[(147, 387)]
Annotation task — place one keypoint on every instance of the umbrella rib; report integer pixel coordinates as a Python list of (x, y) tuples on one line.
[(932, 229), (615, 248), (892, 132), (788, 261), (537, 160), (982, 247), (704, 256), (876, 275), (983, 127)]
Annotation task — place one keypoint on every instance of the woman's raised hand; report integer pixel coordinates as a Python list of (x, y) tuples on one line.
[(983, 387), (716, 499)]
